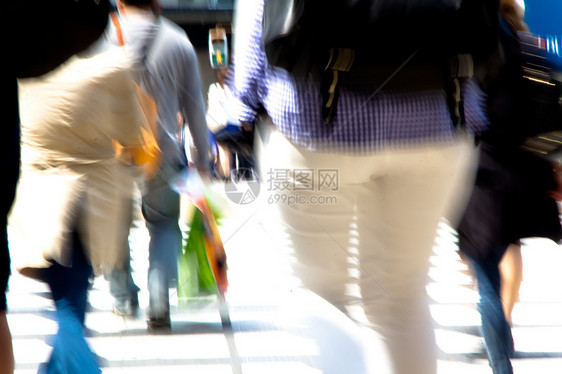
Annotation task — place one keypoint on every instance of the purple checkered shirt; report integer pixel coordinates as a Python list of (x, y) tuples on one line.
[(364, 123)]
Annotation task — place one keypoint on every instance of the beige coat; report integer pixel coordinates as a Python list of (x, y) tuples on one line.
[(70, 177)]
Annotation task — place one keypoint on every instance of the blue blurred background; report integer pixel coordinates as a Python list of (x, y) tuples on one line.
[(544, 18)]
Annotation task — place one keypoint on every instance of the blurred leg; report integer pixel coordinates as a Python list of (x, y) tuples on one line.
[(511, 271), (69, 287), (121, 284), (124, 290), (71, 353), (10, 156), (397, 228), (161, 209), (368, 251), (6, 350), (495, 329)]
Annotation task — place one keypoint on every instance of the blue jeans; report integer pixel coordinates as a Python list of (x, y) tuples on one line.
[(495, 329), (69, 288), (161, 211), (121, 283)]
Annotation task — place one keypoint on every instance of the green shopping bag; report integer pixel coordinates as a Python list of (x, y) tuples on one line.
[(195, 278), (201, 279), (202, 269)]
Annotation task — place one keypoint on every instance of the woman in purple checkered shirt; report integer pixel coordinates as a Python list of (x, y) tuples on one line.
[(363, 243)]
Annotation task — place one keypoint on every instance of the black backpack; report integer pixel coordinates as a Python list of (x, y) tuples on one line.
[(373, 44)]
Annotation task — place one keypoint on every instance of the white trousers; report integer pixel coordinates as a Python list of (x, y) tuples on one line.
[(361, 230)]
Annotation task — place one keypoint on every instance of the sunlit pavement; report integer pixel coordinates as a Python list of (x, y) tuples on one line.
[(275, 331)]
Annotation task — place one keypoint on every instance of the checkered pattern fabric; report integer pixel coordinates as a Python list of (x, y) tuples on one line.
[(365, 122)]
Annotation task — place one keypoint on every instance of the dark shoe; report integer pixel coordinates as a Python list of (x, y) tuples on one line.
[(127, 307), (159, 324)]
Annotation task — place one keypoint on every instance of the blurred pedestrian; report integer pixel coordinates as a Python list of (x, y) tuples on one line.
[(69, 212), (234, 140), (372, 186), (511, 197), (172, 79), (10, 151), (33, 51)]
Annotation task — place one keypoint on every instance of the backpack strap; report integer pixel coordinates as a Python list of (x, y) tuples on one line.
[(460, 69), (341, 60), (118, 30), (121, 41), (148, 154)]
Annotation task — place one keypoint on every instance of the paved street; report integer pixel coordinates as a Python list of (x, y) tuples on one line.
[(275, 331)]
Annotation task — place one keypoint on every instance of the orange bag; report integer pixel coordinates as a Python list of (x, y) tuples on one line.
[(149, 153)]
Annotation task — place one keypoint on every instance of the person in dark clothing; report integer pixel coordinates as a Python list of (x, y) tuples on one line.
[(9, 151), (511, 197)]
